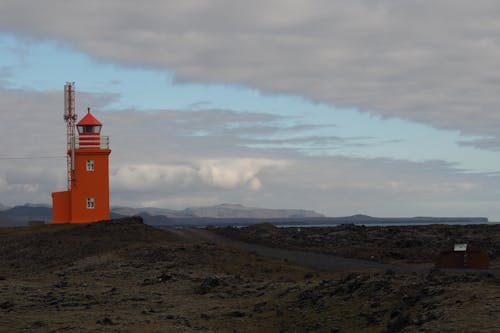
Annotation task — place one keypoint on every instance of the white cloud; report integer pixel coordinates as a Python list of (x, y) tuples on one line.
[(230, 173), (225, 174), (144, 177), (255, 184)]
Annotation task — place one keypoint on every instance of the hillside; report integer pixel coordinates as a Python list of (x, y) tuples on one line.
[(21, 215)]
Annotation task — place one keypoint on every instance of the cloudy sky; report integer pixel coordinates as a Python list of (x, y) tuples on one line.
[(382, 107)]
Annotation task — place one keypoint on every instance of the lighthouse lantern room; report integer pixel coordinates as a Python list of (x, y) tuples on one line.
[(87, 197)]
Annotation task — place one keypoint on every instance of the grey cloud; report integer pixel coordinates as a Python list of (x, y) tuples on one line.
[(430, 62), (5, 73), (492, 144), (272, 126), (308, 144)]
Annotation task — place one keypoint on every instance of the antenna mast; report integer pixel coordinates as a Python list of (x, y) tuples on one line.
[(70, 119)]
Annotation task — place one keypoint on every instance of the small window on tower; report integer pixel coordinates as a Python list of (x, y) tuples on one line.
[(90, 203), (90, 165)]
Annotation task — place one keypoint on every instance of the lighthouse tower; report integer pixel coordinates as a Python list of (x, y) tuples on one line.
[(87, 197)]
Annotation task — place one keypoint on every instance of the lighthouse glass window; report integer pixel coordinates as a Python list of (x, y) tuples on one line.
[(90, 165), (90, 203)]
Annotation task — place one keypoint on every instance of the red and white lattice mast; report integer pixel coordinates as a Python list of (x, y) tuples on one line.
[(70, 119)]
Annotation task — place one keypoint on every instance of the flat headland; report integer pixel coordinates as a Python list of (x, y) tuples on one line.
[(125, 276)]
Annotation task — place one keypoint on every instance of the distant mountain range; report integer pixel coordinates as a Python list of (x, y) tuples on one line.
[(223, 215), (222, 211), (21, 215)]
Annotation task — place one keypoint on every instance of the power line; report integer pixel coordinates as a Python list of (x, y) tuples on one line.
[(28, 157)]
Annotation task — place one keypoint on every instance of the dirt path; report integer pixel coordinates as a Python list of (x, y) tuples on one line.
[(302, 258)]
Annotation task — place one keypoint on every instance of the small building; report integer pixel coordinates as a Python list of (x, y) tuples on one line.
[(463, 256)]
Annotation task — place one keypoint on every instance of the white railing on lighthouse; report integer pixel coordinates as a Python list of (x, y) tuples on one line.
[(95, 142)]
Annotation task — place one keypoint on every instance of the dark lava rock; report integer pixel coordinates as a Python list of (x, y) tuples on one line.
[(424, 318), (207, 285), (258, 307), (235, 314), (373, 318), (38, 324), (205, 316), (159, 279), (350, 284), (105, 322), (164, 277), (147, 282), (126, 220), (61, 284), (7, 305), (397, 323), (411, 244)]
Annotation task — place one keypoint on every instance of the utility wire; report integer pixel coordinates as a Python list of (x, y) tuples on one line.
[(28, 157)]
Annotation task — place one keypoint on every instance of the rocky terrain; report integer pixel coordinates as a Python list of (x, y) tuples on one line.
[(124, 276), (389, 244)]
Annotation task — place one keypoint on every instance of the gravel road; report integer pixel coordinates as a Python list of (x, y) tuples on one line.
[(302, 258)]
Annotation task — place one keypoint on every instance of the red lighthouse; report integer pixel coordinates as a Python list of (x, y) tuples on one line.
[(87, 197)]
